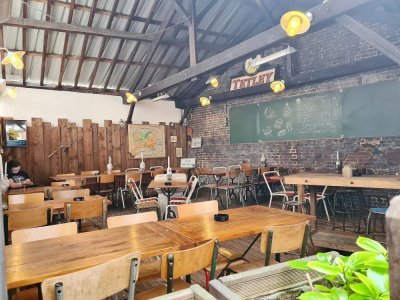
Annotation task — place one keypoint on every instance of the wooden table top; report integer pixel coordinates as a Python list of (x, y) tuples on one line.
[(242, 222), (161, 184), (75, 177), (365, 181), (33, 262), (28, 190)]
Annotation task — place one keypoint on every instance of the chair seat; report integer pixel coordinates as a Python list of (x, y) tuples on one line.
[(281, 193), (149, 270), (250, 265), (227, 187), (378, 210), (28, 294), (294, 203), (178, 285)]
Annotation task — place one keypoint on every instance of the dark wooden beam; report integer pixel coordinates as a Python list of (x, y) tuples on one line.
[(181, 11), (193, 35), (371, 37), (66, 40), (85, 42), (357, 67), (322, 12), (152, 49), (103, 45), (3, 67), (130, 114), (24, 37), (45, 42)]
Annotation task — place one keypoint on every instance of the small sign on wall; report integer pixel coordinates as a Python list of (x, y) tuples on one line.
[(249, 81), (178, 152), (174, 138), (196, 142)]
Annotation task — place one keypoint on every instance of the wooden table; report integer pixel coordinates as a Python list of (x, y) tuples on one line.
[(74, 177), (168, 190), (243, 221), (27, 190), (319, 179), (33, 262)]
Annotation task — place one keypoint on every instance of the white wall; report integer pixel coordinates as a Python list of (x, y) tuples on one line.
[(52, 105)]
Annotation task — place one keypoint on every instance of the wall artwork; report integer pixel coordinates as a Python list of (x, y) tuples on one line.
[(179, 152), (149, 139), (174, 138), (196, 142), (16, 133)]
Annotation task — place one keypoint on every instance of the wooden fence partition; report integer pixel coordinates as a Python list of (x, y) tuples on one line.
[(84, 148)]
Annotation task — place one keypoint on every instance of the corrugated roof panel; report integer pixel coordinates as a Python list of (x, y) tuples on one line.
[(10, 37), (111, 48), (86, 72), (75, 44), (16, 9), (33, 68), (84, 2), (52, 71), (128, 80), (101, 73), (34, 40), (80, 17), (115, 78), (145, 77), (59, 13), (145, 8), (126, 6), (126, 50), (70, 72), (93, 46), (119, 24), (56, 42), (169, 57)]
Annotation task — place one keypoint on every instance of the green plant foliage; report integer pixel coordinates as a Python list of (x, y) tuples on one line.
[(364, 275)]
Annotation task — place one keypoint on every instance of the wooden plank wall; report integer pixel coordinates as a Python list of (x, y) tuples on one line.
[(90, 150)]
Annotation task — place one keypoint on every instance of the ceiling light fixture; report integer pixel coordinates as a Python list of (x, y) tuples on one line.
[(213, 81), (277, 86), (251, 65), (131, 98), (296, 22), (204, 101), (14, 58)]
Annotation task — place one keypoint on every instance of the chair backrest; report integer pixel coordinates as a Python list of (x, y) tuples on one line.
[(88, 173), (29, 218), (98, 282), (197, 209), (42, 233), (69, 194), (26, 198), (135, 176), (278, 239), (157, 172), (70, 183), (181, 263), (49, 190), (137, 193), (281, 186), (234, 167), (106, 178), (65, 175), (152, 168), (262, 170), (202, 171), (125, 220), (245, 166), (191, 187), (85, 209)]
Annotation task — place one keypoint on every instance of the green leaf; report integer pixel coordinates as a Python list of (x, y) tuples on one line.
[(361, 258), (371, 245), (359, 297), (315, 296), (339, 294), (322, 288), (369, 284), (298, 264), (324, 267), (378, 264), (360, 288), (385, 296), (379, 277), (324, 257)]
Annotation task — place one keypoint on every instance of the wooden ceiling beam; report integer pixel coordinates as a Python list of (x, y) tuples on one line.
[(181, 11), (5, 10), (85, 42), (371, 37), (45, 43), (193, 34), (322, 12), (3, 67), (24, 40)]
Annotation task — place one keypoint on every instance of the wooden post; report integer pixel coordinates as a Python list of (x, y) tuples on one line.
[(393, 239)]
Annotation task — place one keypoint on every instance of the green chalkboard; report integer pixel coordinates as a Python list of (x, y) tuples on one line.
[(244, 124), (299, 118), (372, 110)]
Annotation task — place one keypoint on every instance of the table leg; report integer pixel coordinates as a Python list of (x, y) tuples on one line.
[(313, 204), (300, 194)]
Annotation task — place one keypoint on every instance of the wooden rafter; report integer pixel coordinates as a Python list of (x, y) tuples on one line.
[(193, 34), (371, 37), (322, 12), (45, 42), (66, 40), (104, 43), (181, 11), (24, 37), (137, 45), (3, 67), (85, 42)]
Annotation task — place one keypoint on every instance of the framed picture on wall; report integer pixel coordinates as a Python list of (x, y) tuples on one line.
[(16, 133), (196, 142)]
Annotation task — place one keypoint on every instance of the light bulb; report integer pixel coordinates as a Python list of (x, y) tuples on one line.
[(214, 82), (293, 26), (276, 87), (130, 98), (204, 101)]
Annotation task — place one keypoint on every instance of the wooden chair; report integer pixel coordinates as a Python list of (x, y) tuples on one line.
[(97, 282), (70, 194), (276, 240), (41, 233), (152, 168), (89, 173), (233, 186), (70, 183), (66, 175), (79, 210), (182, 263), (142, 203), (319, 197), (29, 218), (205, 181), (132, 175), (156, 172), (106, 185), (26, 198), (125, 220)]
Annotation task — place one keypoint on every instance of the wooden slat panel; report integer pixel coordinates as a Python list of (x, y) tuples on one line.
[(38, 150), (79, 134), (108, 125), (73, 148), (116, 141), (55, 160), (29, 153), (124, 148), (95, 141), (102, 149), (63, 124), (47, 150), (88, 145)]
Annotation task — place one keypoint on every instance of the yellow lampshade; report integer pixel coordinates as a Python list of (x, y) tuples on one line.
[(204, 101), (296, 22), (130, 98), (213, 81), (277, 86), (14, 58)]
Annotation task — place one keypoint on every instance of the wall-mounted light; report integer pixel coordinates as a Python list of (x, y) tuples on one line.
[(131, 98), (14, 58), (277, 86), (251, 65), (204, 101), (213, 81), (296, 22)]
